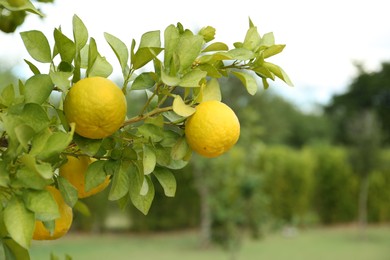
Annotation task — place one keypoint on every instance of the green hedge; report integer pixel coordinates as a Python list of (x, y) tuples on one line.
[(287, 182), (335, 187), (379, 191)]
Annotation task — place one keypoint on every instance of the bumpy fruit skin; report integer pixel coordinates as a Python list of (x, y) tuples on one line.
[(62, 224), (97, 106), (213, 129), (74, 171)]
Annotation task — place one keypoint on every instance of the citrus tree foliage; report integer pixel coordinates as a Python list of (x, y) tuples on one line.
[(14, 12), (175, 69)]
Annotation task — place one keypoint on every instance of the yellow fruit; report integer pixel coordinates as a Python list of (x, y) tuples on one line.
[(74, 171), (97, 106), (62, 224), (213, 129)]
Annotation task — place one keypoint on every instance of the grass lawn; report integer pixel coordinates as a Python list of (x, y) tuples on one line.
[(338, 243)]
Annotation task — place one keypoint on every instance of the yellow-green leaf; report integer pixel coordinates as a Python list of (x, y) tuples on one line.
[(181, 108), (19, 222), (212, 91)]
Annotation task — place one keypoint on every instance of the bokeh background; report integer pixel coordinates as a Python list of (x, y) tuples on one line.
[(310, 175)]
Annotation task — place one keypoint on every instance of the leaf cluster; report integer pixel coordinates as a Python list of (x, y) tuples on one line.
[(35, 138), (14, 12)]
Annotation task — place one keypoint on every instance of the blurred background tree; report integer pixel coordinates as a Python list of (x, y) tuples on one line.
[(369, 91), (362, 118), (289, 168)]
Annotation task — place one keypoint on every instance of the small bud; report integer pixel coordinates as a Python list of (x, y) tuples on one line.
[(208, 33)]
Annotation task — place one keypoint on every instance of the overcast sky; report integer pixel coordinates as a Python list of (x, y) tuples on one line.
[(323, 38)]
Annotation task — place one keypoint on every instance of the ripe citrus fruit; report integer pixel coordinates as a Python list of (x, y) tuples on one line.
[(97, 106), (74, 171), (213, 129), (62, 224)]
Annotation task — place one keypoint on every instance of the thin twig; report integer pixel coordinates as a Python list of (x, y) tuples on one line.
[(144, 116)]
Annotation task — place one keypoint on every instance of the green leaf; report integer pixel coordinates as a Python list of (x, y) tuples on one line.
[(80, 33), (82, 208), (32, 67), (188, 49), (279, 72), (42, 168), (101, 67), (37, 45), (95, 175), (92, 54), (141, 202), (181, 108), (25, 6), (88, 146), (170, 136), (192, 78), (211, 70), (215, 57), (241, 54), (167, 180), (163, 155), (65, 46), (252, 39), (216, 46), (155, 120), (169, 80), (56, 143), (144, 55), (61, 79), (177, 164), (13, 251), (150, 39), (248, 81), (268, 39), (42, 203), (39, 141), (144, 80), (19, 222), (38, 88), (7, 95), (273, 50), (24, 134), (265, 83), (35, 116), (68, 191), (148, 159), (120, 50), (251, 23), (180, 149), (120, 180), (31, 179), (30, 114), (65, 67), (152, 132), (4, 174), (171, 40), (212, 91), (264, 72)]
